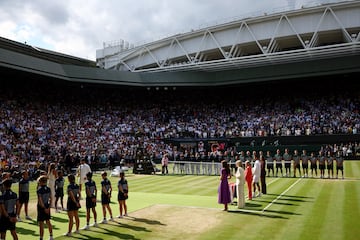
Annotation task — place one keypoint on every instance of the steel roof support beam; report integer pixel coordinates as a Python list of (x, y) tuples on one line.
[(345, 32), (217, 44)]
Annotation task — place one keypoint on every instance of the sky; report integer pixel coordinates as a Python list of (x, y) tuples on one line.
[(80, 27)]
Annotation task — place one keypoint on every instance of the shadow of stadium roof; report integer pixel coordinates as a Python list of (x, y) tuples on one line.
[(28, 59)]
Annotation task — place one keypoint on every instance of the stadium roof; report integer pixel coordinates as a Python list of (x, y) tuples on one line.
[(318, 32), (44, 53), (339, 57)]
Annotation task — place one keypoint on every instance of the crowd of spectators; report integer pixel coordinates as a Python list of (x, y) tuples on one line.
[(42, 123)]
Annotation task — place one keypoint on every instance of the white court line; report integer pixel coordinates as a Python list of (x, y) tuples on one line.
[(257, 211), (240, 210), (282, 194), (272, 181)]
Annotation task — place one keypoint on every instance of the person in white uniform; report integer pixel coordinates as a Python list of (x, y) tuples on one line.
[(256, 178)]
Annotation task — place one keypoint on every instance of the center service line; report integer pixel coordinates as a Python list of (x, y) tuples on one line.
[(272, 181), (282, 194)]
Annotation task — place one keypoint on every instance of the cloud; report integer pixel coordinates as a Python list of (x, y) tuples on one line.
[(78, 27)]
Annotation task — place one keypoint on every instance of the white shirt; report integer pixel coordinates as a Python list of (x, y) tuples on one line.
[(83, 170), (256, 168)]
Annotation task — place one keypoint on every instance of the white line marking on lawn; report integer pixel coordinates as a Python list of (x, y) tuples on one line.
[(248, 210), (282, 194), (272, 181)]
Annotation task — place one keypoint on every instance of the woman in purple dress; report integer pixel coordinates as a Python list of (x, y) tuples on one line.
[(224, 191)]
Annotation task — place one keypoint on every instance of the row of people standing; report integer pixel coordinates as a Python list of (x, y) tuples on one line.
[(11, 202), (277, 164), (295, 163), (74, 197)]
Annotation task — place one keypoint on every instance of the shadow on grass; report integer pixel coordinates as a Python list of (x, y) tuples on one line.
[(284, 195), (282, 212), (35, 223), (82, 214), (118, 234), (252, 204), (85, 236), (32, 222), (135, 228), (147, 221), (256, 213), (277, 202), (26, 231), (294, 200), (58, 219), (262, 200)]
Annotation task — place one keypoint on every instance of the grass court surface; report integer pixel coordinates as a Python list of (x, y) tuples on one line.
[(185, 207)]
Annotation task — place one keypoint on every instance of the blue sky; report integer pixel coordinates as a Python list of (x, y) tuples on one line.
[(79, 28)]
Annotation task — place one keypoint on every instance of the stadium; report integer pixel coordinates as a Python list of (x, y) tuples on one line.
[(285, 80)]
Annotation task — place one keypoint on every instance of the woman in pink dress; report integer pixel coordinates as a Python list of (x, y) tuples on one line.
[(224, 191)]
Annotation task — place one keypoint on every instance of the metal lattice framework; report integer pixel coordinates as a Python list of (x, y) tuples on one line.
[(321, 32)]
